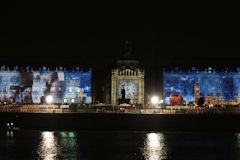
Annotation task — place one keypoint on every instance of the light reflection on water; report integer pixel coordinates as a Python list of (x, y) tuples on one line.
[(48, 147), (54, 145), (154, 147), (117, 145), (69, 146), (238, 144)]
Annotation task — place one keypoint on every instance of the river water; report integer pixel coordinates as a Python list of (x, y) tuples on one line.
[(116, 145)]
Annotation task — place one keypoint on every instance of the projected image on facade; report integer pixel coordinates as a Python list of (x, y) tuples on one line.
[(78, 87), (34, 86), (130, 87), (190, 86), (9, 86), (48, 82)]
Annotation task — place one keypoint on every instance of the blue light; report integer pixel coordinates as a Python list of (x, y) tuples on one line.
[(30, 87), (225, 85)]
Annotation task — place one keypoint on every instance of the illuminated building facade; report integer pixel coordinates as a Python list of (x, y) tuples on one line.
[(9, 84), (127, 78), (196, 92), (32, 86), (132, 80), (215, 87)]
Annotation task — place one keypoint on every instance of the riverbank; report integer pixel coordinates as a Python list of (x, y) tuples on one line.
[(121, 121)]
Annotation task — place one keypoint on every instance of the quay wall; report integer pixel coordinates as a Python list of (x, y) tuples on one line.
[(121, 121)]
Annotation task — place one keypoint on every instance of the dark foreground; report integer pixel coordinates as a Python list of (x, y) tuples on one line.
[(118, 145), (127, 122)]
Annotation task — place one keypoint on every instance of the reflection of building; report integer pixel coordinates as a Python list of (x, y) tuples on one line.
[(127, 73)]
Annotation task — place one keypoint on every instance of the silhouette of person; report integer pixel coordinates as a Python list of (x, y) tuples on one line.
[(48, 87), (123, 92)]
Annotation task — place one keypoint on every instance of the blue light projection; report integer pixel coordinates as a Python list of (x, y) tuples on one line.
[(33, 86), (225, 85), (78, 86), (9, 82)]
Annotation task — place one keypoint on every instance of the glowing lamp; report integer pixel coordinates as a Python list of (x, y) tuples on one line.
[(154, 100), (49, 99)]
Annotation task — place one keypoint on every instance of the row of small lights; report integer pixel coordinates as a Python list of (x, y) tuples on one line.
[(154, 100), (49, 99)]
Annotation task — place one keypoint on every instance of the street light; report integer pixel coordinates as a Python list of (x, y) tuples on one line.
[(154, 100), (49, 99)]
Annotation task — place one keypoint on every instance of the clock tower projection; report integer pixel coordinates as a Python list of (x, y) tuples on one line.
[(127, 80)]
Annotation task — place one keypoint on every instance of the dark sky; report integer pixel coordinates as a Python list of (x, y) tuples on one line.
[(73, 34)]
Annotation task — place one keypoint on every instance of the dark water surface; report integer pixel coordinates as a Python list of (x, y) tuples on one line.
[(51, 145)]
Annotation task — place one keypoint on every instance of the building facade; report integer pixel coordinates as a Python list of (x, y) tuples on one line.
[(212, 87), (127, 79), (32, 86), (131, 80)]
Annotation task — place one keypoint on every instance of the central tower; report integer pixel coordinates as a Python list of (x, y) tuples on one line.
[(127, 80)]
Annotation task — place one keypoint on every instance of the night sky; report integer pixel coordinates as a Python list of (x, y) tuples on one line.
[(60, 33), (73, 34)]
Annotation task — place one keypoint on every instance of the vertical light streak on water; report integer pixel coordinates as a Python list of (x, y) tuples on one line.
[(238, 144), (48, 147), (154, 147), (68, 143)]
